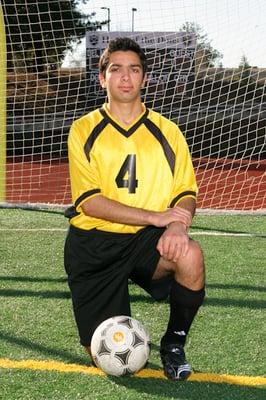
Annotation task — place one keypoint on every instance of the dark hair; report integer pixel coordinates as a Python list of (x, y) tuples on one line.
[(122, 44)]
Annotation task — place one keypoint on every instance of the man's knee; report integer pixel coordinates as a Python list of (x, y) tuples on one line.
[(190, 270), (196, 250), (196, 257)]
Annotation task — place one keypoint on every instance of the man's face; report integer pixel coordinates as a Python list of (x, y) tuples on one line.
[(123, 78)]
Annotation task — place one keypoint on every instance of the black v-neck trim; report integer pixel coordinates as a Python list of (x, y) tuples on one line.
[(124, 132)]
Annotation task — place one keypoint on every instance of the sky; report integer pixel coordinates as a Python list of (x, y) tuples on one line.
[(234, 27)]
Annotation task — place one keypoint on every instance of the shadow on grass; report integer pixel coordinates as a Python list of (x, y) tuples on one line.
[(225, 286), (189, 390), (32, 279), (252, 304), (57, 294), (44, 294), (45, 279), (47, 351), (211, 301)]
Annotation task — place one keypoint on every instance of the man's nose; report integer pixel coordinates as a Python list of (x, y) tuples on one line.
[(125, 74)]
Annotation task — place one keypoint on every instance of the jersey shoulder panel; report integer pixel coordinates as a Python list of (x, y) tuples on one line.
[(86, 130), (87, 122), (161, 121)]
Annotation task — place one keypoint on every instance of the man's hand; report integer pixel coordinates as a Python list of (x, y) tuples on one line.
[(176, 214), (174, 242)]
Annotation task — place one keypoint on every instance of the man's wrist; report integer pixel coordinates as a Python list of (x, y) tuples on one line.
[(178, 224)]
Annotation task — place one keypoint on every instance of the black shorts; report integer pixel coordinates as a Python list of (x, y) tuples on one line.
[(99, 265)]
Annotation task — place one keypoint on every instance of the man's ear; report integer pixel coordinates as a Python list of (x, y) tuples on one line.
[(102, 81)]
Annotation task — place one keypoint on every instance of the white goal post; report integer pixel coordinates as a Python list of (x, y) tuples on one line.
[(48, 78)]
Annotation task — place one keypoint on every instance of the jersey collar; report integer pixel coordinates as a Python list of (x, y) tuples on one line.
[(126, 132)]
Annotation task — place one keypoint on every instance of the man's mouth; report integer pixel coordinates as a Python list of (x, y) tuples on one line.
[(125, 88)]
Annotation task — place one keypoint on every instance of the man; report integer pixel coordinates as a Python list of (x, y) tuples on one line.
[(134, 191)]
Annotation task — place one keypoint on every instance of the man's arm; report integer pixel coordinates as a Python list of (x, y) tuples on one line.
[(174, 241), (111, 210)]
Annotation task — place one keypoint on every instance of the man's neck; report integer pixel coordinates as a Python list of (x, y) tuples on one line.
[(125, 113)]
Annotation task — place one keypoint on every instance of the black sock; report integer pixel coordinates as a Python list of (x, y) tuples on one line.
[(184, 305)]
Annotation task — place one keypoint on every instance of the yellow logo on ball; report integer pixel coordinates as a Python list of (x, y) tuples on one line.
[(118, 336)]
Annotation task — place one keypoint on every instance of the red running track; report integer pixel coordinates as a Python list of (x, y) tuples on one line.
[(223, 183)]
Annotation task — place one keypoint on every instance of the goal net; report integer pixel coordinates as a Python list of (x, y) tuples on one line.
[(207, 72)]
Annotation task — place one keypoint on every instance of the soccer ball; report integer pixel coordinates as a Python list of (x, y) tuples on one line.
[(120, 346)]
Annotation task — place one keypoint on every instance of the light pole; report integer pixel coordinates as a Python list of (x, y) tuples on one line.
[(133, 11), (108, 11)]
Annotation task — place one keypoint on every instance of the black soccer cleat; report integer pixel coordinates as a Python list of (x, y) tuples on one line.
[(174, 362)]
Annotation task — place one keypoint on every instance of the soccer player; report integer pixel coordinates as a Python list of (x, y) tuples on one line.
[(134, 195)]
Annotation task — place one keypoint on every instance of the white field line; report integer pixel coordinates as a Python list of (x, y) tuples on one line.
[(199, 233), (217, 233)]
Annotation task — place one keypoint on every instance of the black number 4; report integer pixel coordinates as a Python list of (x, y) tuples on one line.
[(126, 177)]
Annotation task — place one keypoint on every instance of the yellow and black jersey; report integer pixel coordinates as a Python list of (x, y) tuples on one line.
[(146, 165)]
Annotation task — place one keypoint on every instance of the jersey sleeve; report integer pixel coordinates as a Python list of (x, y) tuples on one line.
[(84, 177), (185, 184)]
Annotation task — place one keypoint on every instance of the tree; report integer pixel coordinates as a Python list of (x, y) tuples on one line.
[(245, 69), (244, 64), (246, 81), (38, 33), (206, 55)]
